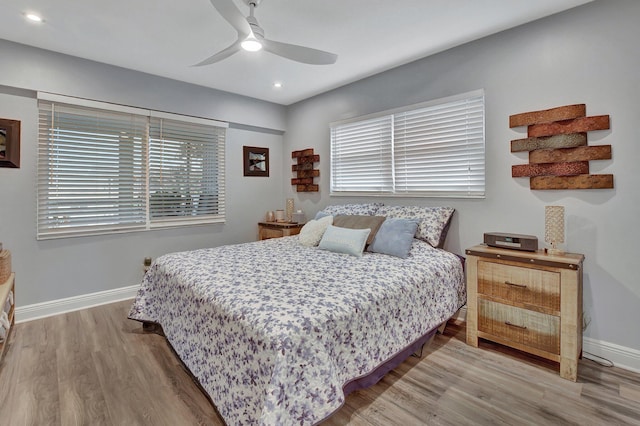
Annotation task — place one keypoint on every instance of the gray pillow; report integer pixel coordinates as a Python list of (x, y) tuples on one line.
[(394, 237), (360, 222)]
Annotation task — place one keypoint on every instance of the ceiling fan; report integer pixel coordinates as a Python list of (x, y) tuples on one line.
[(251, 38)]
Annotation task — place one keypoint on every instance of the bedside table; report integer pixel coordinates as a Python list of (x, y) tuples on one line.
[(268, 230), (531, 301)]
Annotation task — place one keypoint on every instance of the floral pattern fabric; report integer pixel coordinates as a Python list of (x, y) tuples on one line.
[(432, 220), (273, 329), (365, 209)]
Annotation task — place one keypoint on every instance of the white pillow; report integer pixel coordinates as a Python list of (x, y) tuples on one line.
[(312, 232)]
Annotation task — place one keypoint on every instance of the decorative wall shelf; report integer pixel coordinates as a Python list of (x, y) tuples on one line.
[(304, 170), (558, 152)]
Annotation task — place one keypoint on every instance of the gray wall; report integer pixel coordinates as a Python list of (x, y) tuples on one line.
[(587, 55), (56, 269)]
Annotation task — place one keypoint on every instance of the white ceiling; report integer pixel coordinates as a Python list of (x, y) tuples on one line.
[(166, 37)]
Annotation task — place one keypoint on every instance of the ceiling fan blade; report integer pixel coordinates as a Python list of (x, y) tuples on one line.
[(223, 54), (232, 15), (306, 55)]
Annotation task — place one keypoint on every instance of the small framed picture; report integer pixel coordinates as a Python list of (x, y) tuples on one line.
[(9, 143), (256, 161)]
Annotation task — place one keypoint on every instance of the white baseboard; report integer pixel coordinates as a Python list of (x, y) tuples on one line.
[(70, 304), (621, 356), (461, 315)]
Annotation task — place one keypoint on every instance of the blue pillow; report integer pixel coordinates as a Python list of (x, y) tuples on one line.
[(321, 214), (344, 240), (394, 237)]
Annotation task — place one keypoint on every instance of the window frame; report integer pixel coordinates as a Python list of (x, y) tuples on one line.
[(46, 229), (476, 173)]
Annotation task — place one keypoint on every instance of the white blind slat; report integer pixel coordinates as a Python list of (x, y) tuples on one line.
[(104, 170), (434, 149)]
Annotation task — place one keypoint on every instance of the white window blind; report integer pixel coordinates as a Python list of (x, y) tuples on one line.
[(186, 171), (91, 171), (361, 156), (434, 149), (100, 165), (439, 149)]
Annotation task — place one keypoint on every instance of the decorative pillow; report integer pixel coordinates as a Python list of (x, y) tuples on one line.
[(360, 222), (366, 209), (433, 224), (311, 233), (394, 237), (344, 240), (321, 214)]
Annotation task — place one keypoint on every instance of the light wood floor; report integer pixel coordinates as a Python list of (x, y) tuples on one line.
[(95, 367)]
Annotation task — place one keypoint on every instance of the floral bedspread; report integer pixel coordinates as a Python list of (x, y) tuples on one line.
[(272, 330)]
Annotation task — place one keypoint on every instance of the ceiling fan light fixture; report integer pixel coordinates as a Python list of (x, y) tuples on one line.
[(33, 17), (251, 44), (251, 38)]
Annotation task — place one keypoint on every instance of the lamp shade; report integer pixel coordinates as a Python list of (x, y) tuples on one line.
[(554, 227)]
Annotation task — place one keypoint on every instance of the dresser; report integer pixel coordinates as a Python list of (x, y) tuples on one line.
[(7, 304), (531, 301), (278, 229)]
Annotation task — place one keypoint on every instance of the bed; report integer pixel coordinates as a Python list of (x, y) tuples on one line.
[(277, 332)]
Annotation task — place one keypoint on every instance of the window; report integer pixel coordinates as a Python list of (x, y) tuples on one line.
[(185, 170), (433, 149), (107, 168)]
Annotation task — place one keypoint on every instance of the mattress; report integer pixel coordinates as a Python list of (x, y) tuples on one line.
[(274, 330)]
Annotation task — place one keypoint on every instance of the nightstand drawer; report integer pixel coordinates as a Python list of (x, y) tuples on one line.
[(268, 230), (266, 233), (512, 324), (525, 287)]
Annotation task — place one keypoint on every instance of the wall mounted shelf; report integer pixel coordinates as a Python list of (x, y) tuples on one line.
[(305, 160)]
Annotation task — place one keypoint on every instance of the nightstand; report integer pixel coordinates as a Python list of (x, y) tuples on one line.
[(278, 229), (531, 301), (5, 288)]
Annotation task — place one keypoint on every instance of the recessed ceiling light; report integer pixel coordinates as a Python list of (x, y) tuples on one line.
[(33, 17), (277, 85)]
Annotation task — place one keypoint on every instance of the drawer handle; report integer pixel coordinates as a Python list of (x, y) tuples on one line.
[(515, 285), (515, 325)]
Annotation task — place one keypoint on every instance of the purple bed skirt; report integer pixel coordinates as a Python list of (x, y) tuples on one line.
[(377, 374)]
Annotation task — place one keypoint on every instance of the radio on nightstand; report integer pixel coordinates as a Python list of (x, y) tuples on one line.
[(511, 241)]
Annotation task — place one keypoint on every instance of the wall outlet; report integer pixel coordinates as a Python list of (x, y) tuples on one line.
[(147, 264)]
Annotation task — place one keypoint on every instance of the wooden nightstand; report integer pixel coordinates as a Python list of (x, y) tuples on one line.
[(530, 301), (278, 229), (5, 288)]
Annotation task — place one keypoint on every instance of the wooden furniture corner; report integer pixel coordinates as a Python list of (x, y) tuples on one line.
[(530, 301), (5, 288), (268, 230)]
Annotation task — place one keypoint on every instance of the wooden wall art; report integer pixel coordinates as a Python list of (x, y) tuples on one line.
[(255, 161), (304, 170), (558, 151)]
